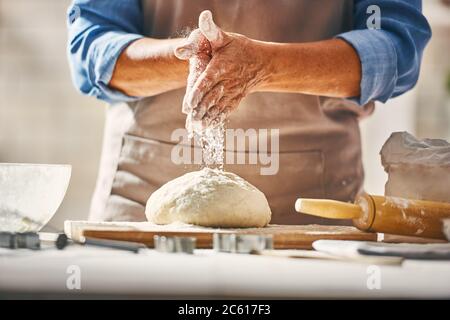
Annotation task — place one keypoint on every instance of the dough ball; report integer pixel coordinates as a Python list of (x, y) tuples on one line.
[(210, 198)]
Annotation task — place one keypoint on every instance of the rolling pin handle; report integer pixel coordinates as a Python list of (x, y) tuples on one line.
[(328, 208)]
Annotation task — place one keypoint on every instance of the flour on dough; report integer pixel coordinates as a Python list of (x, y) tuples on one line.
[(211, 198)]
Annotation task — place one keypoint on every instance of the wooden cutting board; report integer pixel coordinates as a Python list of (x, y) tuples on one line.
[(284, 236)]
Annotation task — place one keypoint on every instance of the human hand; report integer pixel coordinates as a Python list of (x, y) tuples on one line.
[(224, 68)]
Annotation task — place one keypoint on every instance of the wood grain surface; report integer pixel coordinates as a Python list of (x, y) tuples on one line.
[(284, 236)]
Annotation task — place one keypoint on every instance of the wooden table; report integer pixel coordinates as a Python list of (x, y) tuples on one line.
[(284, 236)]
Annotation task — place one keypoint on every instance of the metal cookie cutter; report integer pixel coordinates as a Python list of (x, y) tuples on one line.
[(174, 244), (242, 243), (12, 240)]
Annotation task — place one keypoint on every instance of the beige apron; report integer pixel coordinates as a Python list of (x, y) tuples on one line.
[(319, 149)]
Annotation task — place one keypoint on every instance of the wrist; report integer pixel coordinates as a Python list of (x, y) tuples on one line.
[(267, 57)]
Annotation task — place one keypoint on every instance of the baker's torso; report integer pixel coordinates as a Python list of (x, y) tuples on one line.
[(318, 154)]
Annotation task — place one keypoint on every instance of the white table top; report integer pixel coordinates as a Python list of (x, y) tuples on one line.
[(108, 272)]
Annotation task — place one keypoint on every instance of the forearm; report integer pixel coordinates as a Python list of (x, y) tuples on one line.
[(149, 67), (327, 68)]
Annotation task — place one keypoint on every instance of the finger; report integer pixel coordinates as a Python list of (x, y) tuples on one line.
[(213, 112), (185, 52), (196, 66), (211, 98), (210, 30), (225, 113), (198, 113), (185, 107), (193, 126), (215, 117), (205, 82), (226, 102), (190, 45), (211, 117), (192, 77), (223, 103), (219, 112)]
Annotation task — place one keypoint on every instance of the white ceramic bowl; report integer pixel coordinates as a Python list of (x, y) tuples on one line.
[(30, 194)]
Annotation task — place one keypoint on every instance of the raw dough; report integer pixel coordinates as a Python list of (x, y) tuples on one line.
[(211, 198), (417, 169)]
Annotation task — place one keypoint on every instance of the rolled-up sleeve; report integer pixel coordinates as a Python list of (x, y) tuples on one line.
[(98, 32), (390, 56)]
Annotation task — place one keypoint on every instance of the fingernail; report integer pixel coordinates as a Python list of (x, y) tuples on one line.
[(192, 100), (207, 25), (214, 111)]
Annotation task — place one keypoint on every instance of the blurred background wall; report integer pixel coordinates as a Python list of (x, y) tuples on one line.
[(42, 117), (425, 110), (44, 120)]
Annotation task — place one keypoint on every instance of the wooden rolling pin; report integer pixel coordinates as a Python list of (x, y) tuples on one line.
[(384, 214)]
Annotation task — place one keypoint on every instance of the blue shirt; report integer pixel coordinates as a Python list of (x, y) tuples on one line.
[(390, 57)]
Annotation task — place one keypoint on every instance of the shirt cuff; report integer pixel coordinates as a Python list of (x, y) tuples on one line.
[(378, 62), (103, 59)]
